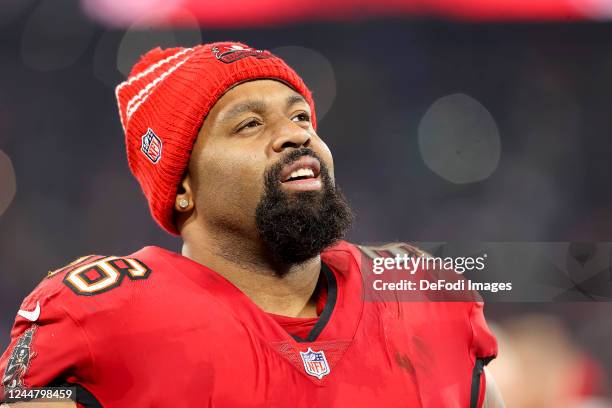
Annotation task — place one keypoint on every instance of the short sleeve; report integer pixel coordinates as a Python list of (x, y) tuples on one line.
[(484, 344), (46, 345)]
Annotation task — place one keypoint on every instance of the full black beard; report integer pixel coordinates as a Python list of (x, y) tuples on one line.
[(299, 226)]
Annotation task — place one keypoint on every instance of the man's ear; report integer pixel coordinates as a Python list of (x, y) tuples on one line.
[(184, 201)]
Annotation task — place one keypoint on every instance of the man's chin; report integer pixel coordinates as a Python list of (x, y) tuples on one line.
[(301, 226)]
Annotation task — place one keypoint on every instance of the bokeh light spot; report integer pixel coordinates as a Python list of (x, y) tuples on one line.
[(8, 182), (141, 38), (316, 71), (595, 9), (122, 13), (459, 139), (55, 36), (12, 9)]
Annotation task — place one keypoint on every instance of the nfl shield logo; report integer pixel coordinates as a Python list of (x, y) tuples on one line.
[(151, 146), (315, 363)]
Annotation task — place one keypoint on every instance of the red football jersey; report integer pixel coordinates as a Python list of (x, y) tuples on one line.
[(156, 329)]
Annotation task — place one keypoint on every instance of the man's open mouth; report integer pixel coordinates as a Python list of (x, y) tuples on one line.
[(305, 167), (302, 174)]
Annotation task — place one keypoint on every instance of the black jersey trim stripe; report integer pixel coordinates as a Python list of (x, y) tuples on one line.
[(332, 293), (476, 374)]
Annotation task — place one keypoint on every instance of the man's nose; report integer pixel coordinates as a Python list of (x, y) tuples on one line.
[(289, 134)]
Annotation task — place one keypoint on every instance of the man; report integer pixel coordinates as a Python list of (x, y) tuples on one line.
[(265, 306)]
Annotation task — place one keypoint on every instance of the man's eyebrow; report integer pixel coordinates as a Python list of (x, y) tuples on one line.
[(295, 98), (254, 105), (257, 106)]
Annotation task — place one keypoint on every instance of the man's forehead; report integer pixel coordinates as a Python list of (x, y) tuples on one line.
[(252, 96), (261, 89)]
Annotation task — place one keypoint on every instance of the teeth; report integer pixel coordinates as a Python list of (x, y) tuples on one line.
[(302, 173)]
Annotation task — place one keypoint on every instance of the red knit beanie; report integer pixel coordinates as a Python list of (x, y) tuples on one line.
[(165, 100)]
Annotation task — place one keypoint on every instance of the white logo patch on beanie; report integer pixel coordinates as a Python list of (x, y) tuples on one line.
[(151, 146)]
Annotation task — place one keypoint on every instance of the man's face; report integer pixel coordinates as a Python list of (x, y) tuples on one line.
[(259, 169)]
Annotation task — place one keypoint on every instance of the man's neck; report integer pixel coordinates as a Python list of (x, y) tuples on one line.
[(279, 289)]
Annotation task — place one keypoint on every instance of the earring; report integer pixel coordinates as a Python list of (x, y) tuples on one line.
[(183, 203)]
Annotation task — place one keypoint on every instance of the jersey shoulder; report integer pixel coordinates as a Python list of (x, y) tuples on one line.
[(89, 284), (92, 275), (458, 306), (401, 271)]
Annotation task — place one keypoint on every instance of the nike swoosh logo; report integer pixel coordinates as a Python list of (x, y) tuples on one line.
[(30, 315)]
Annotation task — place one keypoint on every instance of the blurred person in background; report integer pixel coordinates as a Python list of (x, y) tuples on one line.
[(540, 366)]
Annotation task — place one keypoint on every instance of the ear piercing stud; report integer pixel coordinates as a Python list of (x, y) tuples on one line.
[(183, 203)]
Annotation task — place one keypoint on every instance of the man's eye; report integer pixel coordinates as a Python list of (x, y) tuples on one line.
[(302, 117), (250, 124)]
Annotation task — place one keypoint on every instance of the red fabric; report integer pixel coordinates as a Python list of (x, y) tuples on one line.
[(297, 326), (183, 334), (170, 92)]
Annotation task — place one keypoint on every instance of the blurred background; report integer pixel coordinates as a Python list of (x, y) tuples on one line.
[(449, 120)]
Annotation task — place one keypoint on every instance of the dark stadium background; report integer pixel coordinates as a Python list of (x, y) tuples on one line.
[(535, 96)]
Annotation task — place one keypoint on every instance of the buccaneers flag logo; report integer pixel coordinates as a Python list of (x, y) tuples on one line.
[(233, 52)]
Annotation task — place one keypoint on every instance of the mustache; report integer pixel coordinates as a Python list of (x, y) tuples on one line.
[(275, 170)]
